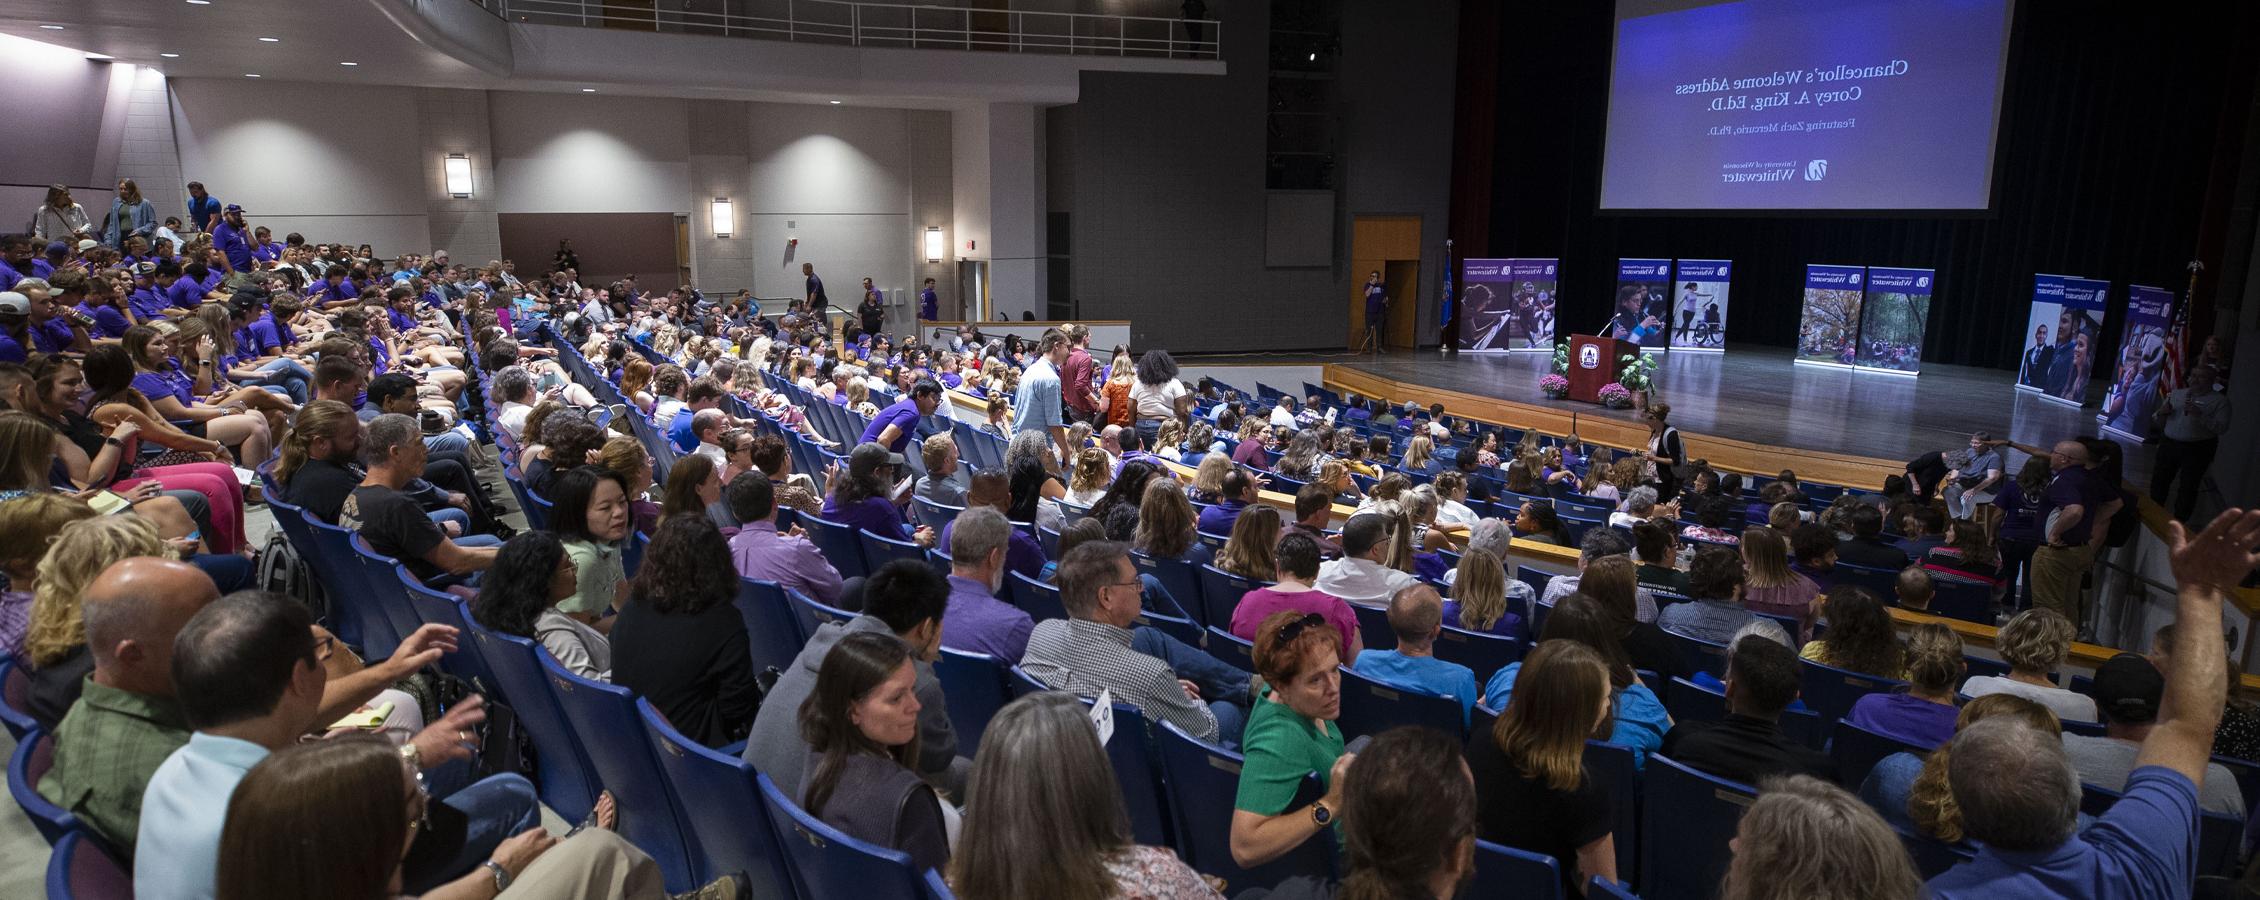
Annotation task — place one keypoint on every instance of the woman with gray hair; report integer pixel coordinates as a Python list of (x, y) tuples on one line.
[(1044, 816), (1639, 506), (1807, 838)]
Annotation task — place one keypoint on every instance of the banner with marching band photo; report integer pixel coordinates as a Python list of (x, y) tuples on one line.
[(2140, 382)]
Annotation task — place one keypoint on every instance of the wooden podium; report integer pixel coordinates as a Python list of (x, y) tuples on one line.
[(1594, 362)]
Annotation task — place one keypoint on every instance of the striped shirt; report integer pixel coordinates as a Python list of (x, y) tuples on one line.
[(1087, 657)]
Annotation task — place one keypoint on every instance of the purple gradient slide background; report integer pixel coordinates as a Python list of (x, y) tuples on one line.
[(1921, 140)]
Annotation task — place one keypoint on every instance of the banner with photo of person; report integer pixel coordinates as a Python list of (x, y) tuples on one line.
[(1642, 313), (1699, 307), (1892, 319), (1828, 333), (2139, 384), (2066, 327), (1507, 304)]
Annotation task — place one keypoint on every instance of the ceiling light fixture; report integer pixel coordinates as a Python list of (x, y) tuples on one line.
[(349, 64), (588, 90), (104, 57), (199, 2), (270, 40), (52, 27), (835, 103), (169, 55), (250, 74)]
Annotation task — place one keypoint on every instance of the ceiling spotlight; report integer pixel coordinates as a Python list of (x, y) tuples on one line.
[(270, 40), (52, 27), (835, 103), (100, 56), (250, 74), (349, 64), (199, 2), (169, 55), (588, 90), (1314, 57)]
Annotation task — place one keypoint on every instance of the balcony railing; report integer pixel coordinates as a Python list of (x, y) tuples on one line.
[(886, 25)]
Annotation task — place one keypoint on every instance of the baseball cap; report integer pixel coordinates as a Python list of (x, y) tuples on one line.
[(88, 244), (867, 458), (15, 304), (58, 247), (2127, 689), (233, 208)]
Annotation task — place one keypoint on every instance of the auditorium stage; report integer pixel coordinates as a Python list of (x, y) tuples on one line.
[(1754, 399)]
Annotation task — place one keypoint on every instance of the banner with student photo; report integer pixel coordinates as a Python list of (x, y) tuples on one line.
[(1699, 308), (2066, 325), (1828, 332), (2139, 385), (1893, 317), (1642, 313), (1508, 304)]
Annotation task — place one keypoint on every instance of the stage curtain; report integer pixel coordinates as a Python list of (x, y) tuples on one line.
[(2108, 161)]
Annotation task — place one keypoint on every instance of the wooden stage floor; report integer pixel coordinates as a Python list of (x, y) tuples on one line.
[(1756, 394)]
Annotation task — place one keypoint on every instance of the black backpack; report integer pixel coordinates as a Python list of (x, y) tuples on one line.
[(279, 569)]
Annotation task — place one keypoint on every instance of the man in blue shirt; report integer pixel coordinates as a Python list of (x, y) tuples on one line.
[(1416, 614), (816, 300), (929, 305), (893, 426), (203, 210), (251, 681), (1037, 405), (1376, 308), (2019, 793), (231, 238), (703, 393)]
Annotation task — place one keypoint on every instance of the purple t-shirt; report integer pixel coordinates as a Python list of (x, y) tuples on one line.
[(1911, 719), (108, 321), (903, 415), (2069, 487), (1021, 553), (977, 622), (1259, 604), (148, 303), (171, 382), (185, 293), (872, 514), (51, 336), (270, 336), (231, 242)]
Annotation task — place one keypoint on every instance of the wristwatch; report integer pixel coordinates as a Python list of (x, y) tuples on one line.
[(1320, 815), (501, 876)]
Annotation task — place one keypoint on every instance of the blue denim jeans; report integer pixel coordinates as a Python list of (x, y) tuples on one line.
[(288, 374), (466, 826), (1223, 685)]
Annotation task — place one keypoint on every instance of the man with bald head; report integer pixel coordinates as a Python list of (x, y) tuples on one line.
[(1416, 615), (125, 721), (2066, 510)]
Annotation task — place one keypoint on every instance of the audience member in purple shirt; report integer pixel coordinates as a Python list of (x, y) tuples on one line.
[(270, 335), (185, 293), (228, 238), (1924, 723), (762, 554), (108, 321), (976, 621), (859, 497), (148, 303), (990, 490), (892, 427), (172, 382)]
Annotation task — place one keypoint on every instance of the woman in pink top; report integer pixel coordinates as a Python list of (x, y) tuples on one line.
[(1298, 566), (1771, 586)]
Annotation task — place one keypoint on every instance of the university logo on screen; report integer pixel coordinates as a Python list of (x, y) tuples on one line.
[(1816, 170)]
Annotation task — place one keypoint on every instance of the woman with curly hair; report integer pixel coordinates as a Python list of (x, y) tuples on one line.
[(1860, 636), (679, 641), (54, 649), (519, 597)]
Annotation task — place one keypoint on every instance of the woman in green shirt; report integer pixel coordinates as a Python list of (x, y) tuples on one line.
[(1290, 733), (591, 517)]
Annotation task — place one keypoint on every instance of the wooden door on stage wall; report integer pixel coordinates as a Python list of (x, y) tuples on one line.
[(1390, 245)]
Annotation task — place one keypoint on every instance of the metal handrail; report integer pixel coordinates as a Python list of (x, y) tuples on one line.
[(897, 25)]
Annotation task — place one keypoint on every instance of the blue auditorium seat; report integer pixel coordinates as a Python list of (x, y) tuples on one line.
[(15, 697), (1138, 773), (1689, 818), (1039, 600), (1371, 706), (568, 783), (82, 869), (384, 591), (974, 683), (1220, 593), (1830, 691), (1176, 576), (717, 798), (351, 596), (1508, 872), (773, 626), (432, 607), (1857, 750), (879, 551), (838, 543), (1230, 648), (34, 755), (1613, 766), (827, 863), (1203, 780), (604, 718)]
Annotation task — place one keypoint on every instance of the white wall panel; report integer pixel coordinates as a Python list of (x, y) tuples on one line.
[(590, 153), (285, 153)]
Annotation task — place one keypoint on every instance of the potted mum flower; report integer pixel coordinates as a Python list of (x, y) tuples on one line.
[(1554, 386), (1615, 396)]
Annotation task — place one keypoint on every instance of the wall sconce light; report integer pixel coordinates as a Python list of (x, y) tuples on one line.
[(935, 246), (458, 175), (723, 220)]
